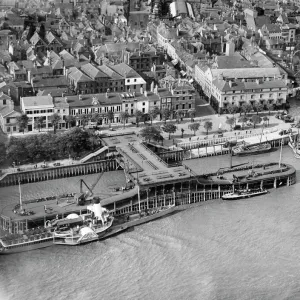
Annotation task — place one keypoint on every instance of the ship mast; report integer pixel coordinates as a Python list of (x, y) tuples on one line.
[(139, 195), (280, 157), (261, 134), (20, 193)]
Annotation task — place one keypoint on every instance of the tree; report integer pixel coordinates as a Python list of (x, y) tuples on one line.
[(270, 106), (22, 122), (208, 126), (179, 114), (230, 122), (166, 114), (54, 120), (70, 120), (2, 151), (256, 120), (110, 116), (169, 128), (192, 114), (246, 108), (96, 117), (194, 127), (266, 120), (39, 123), (258, 107), (232, 109), (150, 133), (243, 119), (153, 113), (84, 119), (124, 115), (138, 116), (16, 149)]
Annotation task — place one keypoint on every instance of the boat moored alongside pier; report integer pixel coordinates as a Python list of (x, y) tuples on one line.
[(242, 194)]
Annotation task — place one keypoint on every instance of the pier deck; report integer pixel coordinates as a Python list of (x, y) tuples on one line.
[(153, 169)]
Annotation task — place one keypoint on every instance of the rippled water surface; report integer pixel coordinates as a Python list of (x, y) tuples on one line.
[(248, 249)]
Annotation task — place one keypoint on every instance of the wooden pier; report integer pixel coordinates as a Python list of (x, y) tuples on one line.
[(51, 173)]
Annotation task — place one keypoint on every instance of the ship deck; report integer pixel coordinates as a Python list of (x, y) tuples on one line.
[(259, 172)]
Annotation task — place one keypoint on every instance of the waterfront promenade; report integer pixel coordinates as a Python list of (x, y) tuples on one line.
[(188, 137)]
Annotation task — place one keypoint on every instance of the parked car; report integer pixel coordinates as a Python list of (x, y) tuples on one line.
[(288, 119), (283, 132), (281, 115)]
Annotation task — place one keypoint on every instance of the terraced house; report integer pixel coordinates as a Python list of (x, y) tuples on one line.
[(100, 79), (8, 115), (178, 96), (80, 82), (89, 104)]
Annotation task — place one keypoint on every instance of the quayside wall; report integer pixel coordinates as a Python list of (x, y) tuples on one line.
[(58, 172), (184, 193)]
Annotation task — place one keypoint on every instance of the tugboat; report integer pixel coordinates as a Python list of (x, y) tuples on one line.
[(86, 228), (248, 149), (242, 194), (245, 149)]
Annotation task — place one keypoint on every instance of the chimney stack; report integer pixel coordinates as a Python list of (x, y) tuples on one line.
[(152, 86)]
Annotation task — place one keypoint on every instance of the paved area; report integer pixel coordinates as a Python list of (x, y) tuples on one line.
[(188, 136), (219, 149), (43, 165), (154, 170)]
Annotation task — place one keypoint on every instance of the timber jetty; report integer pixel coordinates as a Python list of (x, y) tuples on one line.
[(155, 182)]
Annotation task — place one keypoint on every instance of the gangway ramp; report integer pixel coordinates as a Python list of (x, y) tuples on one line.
[(91, 155)]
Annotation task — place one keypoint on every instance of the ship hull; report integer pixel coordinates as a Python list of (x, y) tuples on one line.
[(233, 196), (26, 247), (94, 236), (252, 150), (114, 230)]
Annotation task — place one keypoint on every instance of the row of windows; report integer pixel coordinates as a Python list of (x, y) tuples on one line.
[(261, 96), (164, 100), (104, 90), (95, 110), (61, 111), (183, 106), (14, 129), (40, 111), (254, 91)]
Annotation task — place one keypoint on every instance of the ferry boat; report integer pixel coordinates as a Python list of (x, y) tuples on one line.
[(20, 243), (246, 149), (242, 194), (85, 228)]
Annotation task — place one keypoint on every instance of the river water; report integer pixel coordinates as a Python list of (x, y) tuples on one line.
[(247, 249)]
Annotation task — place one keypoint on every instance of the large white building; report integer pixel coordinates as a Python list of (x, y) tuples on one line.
[(36, 107), (227, 92)]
